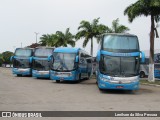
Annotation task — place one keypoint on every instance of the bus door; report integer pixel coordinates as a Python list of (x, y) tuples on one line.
[(89, 66), (83, 65)]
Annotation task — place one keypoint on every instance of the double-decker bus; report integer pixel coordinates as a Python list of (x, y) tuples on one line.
[(119, 60), (70, 64), (41, 64), (22, 62)]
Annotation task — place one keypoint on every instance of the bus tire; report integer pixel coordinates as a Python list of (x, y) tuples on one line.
[(79, 77), (19, 75), (89, 75), (100, 89), (142, 74), (57, 81)]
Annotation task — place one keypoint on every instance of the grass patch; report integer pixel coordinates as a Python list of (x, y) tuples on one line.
[(157, 82)]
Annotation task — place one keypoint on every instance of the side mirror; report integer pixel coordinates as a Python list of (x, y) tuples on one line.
[(77, 59), (11, 58), (142, 57), (98, 56), (50, 58), (30, 60)]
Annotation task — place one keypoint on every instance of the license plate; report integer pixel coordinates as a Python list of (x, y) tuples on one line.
[(119, 87), (61, 78)]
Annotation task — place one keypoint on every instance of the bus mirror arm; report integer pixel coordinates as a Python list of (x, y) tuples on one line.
[(98, 56), (11, 58), (77, 59), (142, 57), (50, 58), (30, 59)]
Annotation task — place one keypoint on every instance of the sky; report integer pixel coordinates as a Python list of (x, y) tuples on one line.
[(20, 19)]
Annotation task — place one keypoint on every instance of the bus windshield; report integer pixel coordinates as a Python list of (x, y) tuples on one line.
[(41, 65), (43, 52), (119, 43), (21, 63), (64, 61), (119, 66), (23, 52)]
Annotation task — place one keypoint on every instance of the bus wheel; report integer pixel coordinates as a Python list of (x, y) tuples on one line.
[(57, 81), (89, 75), (142, 74), (19, 75), (79, 77)]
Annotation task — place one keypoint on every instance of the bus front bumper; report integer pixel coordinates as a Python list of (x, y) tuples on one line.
[(130, 83), (68, 76), (40, 74), (21, 71)]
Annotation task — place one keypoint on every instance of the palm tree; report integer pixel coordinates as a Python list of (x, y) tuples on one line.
[(58, 39), (64, 39), (117, 28), (146, 8), (88, 31), (46, 39)]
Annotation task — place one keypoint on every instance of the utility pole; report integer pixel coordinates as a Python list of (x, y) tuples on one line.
[(21, 44), (36, 35)]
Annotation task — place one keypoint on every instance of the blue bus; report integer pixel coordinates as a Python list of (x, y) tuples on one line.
[(72, 64), (22, 62), (119, 60), (40, 63), (144, 67)]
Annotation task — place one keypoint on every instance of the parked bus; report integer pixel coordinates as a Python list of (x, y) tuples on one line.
[(70, 64), (144, 68), (119, 60), (22, 62), (40, 62)]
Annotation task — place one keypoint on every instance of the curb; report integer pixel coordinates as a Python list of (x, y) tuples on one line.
[(150, 84)]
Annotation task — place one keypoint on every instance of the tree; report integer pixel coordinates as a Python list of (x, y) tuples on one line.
[(64, 39), (6, 57), (58, 39), (88, 31), (47, 40), (117, 28), (146, 8), (1, 59), (34, 45)]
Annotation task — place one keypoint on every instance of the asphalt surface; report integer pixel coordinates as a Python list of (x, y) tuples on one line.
[(30, 94)]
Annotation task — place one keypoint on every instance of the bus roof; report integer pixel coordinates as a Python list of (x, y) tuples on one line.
[(67, 50), (120, 34), (26, 48), (43, 47)]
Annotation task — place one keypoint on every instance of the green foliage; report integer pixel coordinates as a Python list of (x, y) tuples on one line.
[(47, 39), (58, 39), (88, 31), (117, 28), (34, 45), (64, 39), (1, 59), (143, 7), (6, 57)]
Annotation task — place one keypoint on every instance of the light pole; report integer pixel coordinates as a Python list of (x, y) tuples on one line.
[(36, 35)]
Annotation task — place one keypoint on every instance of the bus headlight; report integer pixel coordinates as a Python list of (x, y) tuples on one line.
[(104, 79)]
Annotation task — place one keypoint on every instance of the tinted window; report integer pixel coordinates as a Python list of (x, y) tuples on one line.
[(120, 43), (43, 52), (23, 52)]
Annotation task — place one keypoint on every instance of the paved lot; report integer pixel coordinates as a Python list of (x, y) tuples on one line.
[(26, 93)]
